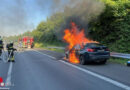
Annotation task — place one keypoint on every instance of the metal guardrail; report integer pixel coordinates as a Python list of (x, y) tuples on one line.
[(57, 47), (112, 54), (120, 55)]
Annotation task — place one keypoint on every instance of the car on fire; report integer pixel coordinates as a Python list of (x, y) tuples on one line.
[(90, 52)]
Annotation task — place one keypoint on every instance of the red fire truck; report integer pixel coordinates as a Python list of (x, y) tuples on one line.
[(26, 42)]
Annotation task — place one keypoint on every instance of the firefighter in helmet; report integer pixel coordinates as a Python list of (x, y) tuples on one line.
[(1, 46), (11, 49)]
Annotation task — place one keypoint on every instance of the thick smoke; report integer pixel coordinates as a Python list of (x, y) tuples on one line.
[(85, 10), (81, 12)]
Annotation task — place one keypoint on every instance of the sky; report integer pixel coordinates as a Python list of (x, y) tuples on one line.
[(18, 16)]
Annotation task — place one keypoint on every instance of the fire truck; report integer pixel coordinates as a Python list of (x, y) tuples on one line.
[(26, 42)]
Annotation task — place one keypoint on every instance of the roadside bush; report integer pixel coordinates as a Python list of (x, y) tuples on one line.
[(113, 26)]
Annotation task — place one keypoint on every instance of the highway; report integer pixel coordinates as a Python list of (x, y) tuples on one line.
[(45, 70)]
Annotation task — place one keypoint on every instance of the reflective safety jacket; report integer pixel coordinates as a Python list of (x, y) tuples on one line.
[(10, 46)]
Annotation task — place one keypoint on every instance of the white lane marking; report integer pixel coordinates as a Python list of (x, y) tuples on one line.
[(8, 80), (116, 83), (4, 88), (45, 54)]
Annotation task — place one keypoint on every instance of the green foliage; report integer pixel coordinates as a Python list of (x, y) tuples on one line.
[(46, 31), (16, 37), (113, 26), (118, 60)]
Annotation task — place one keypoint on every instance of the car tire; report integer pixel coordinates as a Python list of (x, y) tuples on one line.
[(103, 62), (66, 56), (82, 60)]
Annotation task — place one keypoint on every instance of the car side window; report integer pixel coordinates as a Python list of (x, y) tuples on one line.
[(77, 47)]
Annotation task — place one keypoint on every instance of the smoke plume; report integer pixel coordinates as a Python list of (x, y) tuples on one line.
[(79, 11)]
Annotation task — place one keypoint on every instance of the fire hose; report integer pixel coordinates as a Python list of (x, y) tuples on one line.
[(9, 55)]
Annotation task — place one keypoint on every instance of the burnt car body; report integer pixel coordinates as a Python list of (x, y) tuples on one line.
[(91, 52)]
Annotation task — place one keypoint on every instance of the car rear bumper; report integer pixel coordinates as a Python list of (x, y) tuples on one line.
[(98, 57)]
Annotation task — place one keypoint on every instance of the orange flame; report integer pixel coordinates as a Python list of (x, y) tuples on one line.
[(73, 37)]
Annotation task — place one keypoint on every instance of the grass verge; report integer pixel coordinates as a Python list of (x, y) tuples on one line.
[(46, 47), (118, 60), (55, 49)]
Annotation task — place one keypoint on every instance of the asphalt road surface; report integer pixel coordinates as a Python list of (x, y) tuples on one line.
[(42, 70)]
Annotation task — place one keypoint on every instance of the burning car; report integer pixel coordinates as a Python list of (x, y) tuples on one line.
[(81, 49), (89, 52)]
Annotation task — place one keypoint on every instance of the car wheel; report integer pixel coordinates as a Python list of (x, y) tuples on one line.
[(103, 62), (82, 60), (66, 56)]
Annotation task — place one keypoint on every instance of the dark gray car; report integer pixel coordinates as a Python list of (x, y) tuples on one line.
[(91, 52)]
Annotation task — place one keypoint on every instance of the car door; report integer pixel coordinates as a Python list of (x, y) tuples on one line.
[(77, 49)]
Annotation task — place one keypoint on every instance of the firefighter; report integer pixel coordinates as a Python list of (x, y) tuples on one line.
[(1, 46), (11, 50)]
